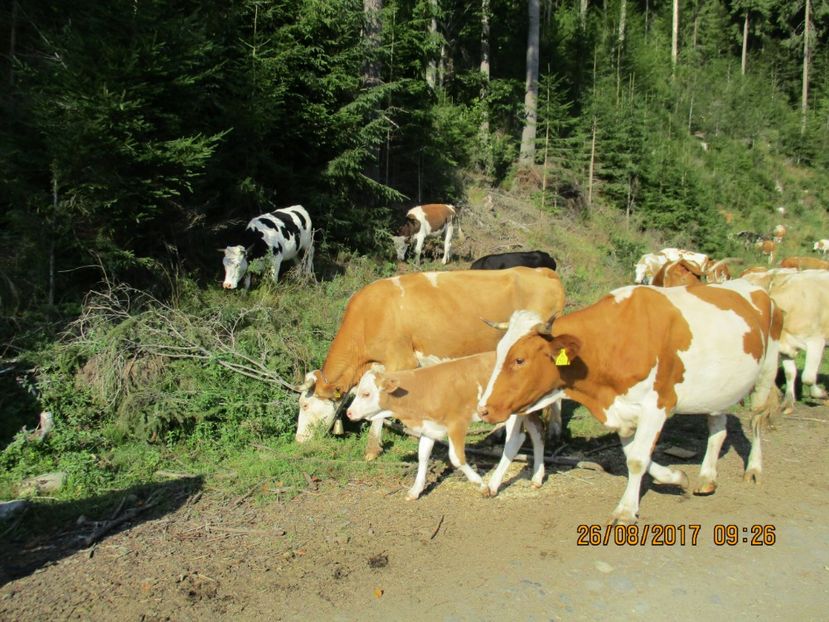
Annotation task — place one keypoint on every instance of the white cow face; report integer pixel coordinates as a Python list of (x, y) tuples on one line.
[(236, 264), (367, 397), (401, 245), (314, 412)]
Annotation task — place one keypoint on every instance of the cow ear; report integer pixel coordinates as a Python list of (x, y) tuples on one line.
[(563, 349), (387, 384)]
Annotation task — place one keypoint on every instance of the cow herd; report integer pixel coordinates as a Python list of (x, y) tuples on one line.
[(439, 350)]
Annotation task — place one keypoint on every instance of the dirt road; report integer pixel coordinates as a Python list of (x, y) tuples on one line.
[(360, 552)]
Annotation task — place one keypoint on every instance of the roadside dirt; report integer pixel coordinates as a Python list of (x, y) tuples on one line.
[(361, 552)]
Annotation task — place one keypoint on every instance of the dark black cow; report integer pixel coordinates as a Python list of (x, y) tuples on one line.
[(282, 233), (501, 261)]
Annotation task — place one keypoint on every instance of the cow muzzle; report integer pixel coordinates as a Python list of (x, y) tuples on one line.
[(228, 285), (483, 413)]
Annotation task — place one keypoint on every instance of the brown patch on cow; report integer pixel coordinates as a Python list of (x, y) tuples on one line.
[(442, 320), (677, 273), (805, 263), (438, 214), (645, 314), (754, 340)]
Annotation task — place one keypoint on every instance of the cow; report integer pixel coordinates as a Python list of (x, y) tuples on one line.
[(803, 297), (639, 355), (779, 233), (650, 263), (822, 246), (748, 238), (422, 221), (441, 401), (417, 319), (277, 236), (805, 263), (766, 247), (500, 261), (684, 272)]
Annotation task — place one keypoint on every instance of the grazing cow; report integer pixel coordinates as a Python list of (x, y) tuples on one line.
[(278, 235), (676, 273), (650, 263), (500, 261), (423, 221), (684, 272), (637, 356), (440, 401), (779, 233), (805, 263), (766, 247), (803, 297), (748, 238), (416, 319), (822, 246)]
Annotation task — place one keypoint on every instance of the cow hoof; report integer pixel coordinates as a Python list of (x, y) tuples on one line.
[(622, 518), (487, 492), (412, 496), (705, 489), (752, 475), (372, 455), (535, 485)]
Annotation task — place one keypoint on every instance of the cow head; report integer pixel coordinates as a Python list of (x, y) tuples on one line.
[(527, 368), (366, 403), (401, 245), (236, 264), (315, 412)]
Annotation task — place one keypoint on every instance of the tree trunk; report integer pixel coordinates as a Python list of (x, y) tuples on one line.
[(527, 155), (371, 32), (804, 106), (675, 36), (50, 296), (592, 166), (372, 67), (484, 130), (12, 40), (745, 46), (432, 67), (623, 5), (583, 13)]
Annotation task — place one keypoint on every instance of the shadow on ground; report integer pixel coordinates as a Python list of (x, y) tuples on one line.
[(47, 531)]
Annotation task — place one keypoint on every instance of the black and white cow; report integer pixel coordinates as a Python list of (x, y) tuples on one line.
[(280, 235), (501, 261)]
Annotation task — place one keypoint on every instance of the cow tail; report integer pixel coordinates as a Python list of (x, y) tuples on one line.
[(765, 402)]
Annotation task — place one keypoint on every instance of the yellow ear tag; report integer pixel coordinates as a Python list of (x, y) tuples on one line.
[(562, 359)]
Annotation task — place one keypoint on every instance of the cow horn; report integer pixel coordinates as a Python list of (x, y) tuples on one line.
[(497, 325), (547, 328)]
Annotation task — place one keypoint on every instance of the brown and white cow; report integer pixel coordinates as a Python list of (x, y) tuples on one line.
[(688, 273), (778, 233), (639, 355), (822, 246), (416, 319), (422, 221), (441, 401), (766, 247), (803, 298), (649, 264), (805, 263)]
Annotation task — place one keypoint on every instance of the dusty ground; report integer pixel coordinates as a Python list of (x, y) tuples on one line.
[(360, 552)]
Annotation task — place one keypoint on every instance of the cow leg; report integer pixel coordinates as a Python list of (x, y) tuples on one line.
[(247, 281), (638, 448), (514, 440), (532, 424), (553, 416), (447, 242), (374, 445), (814, 353), (755, 456), (790, 371), (457, 439), (276, 263), (708, 469), (424, 451), (419, 238)]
